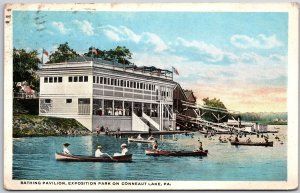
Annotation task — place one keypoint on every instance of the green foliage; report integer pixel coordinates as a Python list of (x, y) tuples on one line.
[(62, 54), (214, 116), (33, 125), (25, 65), (213, 103), (28, 106), (272, 117), (121, 54)]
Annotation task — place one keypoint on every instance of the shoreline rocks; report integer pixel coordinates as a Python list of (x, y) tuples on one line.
[(35, 126)]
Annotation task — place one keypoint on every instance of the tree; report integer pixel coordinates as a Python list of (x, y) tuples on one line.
[(121, 54), (62, 54), (218, 112), (25, 65)]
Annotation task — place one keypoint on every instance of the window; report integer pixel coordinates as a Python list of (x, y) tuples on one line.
[(45, 79), (131, 84), (108, 81), (80, 78), (121, 83), (75, 78), (104, 80), (128, 84), (50, 79), (98, 79), (138, 85), (70, 79), (134, 85), (86, 79), (68, 100), (94, 79), (47, 100), (101, 80), (59, 79), (142, 86), (55, 79)]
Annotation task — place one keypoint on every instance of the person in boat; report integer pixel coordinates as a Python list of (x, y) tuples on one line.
[(98, 152), (200, 148), (155, 146), (236, 139), (220, 138), (150, 137), (65, 150), (266, 139), (124, 149), (139, 137), (248, 140)]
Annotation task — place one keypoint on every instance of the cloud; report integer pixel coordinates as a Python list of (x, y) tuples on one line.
[(85, 26), (123, 33), (261, 41), (60, 27), (215, 54), (159, 44)]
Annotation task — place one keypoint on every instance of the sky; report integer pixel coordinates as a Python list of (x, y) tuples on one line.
[(237, 57)]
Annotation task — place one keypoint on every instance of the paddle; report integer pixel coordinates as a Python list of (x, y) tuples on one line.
[(110, 156)]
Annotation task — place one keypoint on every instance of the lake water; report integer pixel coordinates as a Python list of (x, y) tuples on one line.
[(34, 159)]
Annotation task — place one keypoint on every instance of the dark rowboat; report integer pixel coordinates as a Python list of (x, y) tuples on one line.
[(80, 158), (176, 153), (253, 143)]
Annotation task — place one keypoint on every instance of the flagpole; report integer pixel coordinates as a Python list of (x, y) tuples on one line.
[(43, 57)]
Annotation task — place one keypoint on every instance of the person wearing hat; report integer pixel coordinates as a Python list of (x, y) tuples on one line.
[(65, 150), (124, 149), (98, 152)]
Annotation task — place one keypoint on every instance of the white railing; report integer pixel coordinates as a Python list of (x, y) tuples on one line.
[(138, 124), (151, 121)]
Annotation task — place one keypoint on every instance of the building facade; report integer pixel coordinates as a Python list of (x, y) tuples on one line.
[(102, 93)]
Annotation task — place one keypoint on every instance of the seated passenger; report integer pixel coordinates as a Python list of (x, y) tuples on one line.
[(155, 146), (124, 150), (150, 137), (139, 137), (65, 150)]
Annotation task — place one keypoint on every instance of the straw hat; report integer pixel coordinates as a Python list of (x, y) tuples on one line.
[(124, 145), (99, 147), (66, 144)]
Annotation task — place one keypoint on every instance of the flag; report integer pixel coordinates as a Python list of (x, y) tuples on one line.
[(175, 70), (45, 52), (94, 51)]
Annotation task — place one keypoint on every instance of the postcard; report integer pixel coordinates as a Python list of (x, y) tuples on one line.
[(160, 96)]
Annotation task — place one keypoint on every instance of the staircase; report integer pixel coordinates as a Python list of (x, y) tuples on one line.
[(153, 126)]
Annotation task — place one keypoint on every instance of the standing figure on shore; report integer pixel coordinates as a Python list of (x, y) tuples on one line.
[(65, 150)]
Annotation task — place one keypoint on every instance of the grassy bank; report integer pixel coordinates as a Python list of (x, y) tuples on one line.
[(34, 125)]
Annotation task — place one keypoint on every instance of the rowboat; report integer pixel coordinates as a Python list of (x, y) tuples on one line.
[(140, 140), (80, 158), (176, 153), (253, 143)]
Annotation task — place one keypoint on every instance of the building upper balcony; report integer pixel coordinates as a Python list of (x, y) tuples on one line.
[(89, 62)]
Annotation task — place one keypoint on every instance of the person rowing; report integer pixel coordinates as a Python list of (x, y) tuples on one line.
[(65, 150), (98, 152), (155, 146), (200, 148)]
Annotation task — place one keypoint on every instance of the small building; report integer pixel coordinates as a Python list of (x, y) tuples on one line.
[(103, 93)]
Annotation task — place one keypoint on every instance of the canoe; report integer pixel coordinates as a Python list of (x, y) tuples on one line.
[(253, 143), (80, 158), (176, 153), (140, 140)]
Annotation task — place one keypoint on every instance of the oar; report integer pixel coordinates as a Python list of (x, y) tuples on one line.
[(110, 157)]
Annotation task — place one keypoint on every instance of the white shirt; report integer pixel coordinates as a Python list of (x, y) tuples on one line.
[(66, 151), (98, 153), (124, 151)]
